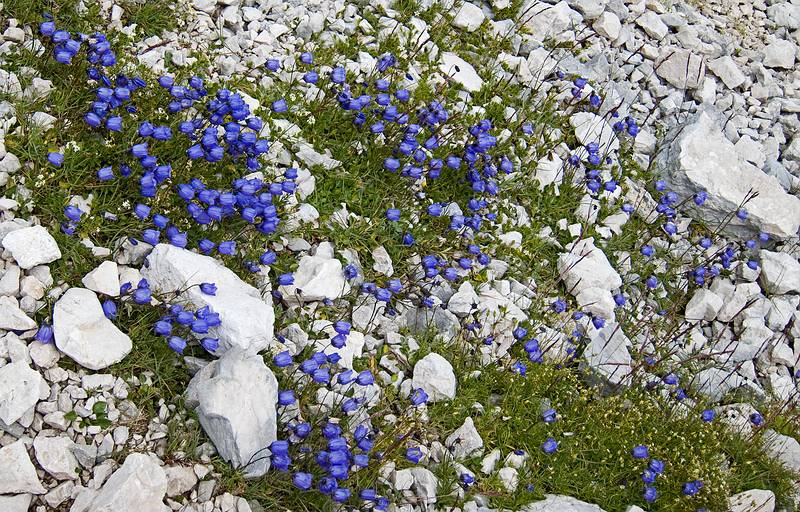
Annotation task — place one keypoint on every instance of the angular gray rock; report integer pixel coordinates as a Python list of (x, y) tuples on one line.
[(54, 455), (20, 387), (17, 473), (465, 441), (138, 485), (681, 68), (780, 272), (316, 278), (460, 71), (84, 333), (780, 54), (235, 398), (434, 374), (12, 318), (31, 246), (607, 357), (728, 71), (247, 316), (543, 20), (103, 279), (586, 266), (17, 503), (701, 158), (784, 448)]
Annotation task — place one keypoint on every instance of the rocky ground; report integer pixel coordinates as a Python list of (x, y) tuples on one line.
[(611, 322)]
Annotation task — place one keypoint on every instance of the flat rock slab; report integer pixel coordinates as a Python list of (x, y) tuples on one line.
[(17, 473)]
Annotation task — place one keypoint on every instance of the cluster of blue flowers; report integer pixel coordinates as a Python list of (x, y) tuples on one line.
[(67, 45)]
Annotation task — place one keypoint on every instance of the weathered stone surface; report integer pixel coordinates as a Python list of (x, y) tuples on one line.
[(247, 316), (138, 485), (20, 387), (434, 374), (31, 246), (241, 429), (84, 333), (17, 473), (701, 158)]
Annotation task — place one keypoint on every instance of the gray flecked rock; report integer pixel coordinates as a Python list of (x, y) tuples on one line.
[(590, 127), (31, 246), (84, 333), (17, 473), (434, 374), (701, 158), (681, 68), (704, 305), (715, 383), (247, 316), (242, 428), (20, 387), (543, 20)]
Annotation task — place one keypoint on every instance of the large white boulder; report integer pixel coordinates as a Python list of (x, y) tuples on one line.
[(84, 333), (460, 71), (236, 398), (246, 315), (700, 158)]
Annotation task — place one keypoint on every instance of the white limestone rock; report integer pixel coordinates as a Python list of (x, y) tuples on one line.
[(681, 68), (728, 71), (586, 266), (84, 333), (103, 279), (704, 305), (434, 374), (701, 158), (554, 502), (780, 272), (317, 277), (590, 127), (241, 429), (607, 357), (31, 246), (754, 500), (54, 455), (138, 485), (12, 318), (460, 71), (20, 389), (247, 317), (465, 441), (17, 473), (468, 17)]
